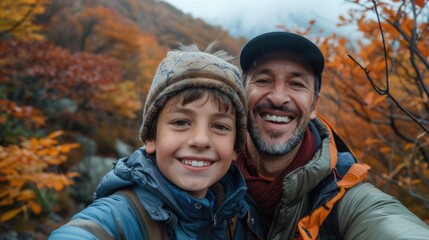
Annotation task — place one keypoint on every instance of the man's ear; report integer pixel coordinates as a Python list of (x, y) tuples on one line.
[(313, 112), (150, 146)]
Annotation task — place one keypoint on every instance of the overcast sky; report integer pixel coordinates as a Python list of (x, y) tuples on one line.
[(251, 17)]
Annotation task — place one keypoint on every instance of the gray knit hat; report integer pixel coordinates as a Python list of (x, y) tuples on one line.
[(191, 68)]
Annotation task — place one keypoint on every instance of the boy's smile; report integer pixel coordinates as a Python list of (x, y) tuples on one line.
[(194, 143)]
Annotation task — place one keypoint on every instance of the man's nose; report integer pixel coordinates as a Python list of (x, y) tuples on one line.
[(278, 95)]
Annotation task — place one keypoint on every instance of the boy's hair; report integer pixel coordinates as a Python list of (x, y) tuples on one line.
[(190, 68)]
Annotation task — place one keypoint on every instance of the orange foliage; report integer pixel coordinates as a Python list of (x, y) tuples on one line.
[(53, 68), (101, 29), (25, 167), (119, 99), (394, 145), (30, 115), (140, 52)]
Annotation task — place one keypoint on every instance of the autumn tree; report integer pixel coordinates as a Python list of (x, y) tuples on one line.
[(44, 88), (99, 29), (24, 174), (378, 82)]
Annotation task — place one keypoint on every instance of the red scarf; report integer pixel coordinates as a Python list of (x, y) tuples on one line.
[(267, 193)]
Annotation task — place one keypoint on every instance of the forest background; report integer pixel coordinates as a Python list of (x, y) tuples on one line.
[(74, 74)]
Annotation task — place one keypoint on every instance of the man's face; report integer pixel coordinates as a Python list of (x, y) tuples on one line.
[(282, 101)]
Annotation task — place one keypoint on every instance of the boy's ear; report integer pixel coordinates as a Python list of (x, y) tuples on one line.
[(150, 146), (235, 156)]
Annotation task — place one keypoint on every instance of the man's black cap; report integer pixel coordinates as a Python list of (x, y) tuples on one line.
[(282, 42)]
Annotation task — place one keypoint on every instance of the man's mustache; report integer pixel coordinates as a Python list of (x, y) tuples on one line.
[(269, 106)]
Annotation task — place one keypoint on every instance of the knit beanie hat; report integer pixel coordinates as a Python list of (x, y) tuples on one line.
[(188, 68)]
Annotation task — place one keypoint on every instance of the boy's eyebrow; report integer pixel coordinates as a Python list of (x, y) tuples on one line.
[(186, 110), (225, 115)]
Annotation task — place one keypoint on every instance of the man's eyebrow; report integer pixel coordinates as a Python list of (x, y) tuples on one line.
[(260, 72)]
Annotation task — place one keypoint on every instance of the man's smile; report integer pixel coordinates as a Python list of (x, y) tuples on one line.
[(276, 118)]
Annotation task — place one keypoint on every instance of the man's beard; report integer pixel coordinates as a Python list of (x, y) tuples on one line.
[(278, 149)]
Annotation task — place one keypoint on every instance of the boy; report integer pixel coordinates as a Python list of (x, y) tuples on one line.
[(193, 125)]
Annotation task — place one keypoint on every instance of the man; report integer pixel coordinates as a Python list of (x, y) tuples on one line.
[(302, 177)]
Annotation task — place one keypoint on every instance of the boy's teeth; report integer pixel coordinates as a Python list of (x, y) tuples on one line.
[(274, 118), (195, 163)]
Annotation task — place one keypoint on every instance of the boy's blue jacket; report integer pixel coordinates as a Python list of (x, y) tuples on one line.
[(185, 217)]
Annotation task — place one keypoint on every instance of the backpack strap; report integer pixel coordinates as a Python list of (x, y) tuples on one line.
[(308, 227), (92, 227), (330, 229), (357, 173), (231, 225), (150, 229)]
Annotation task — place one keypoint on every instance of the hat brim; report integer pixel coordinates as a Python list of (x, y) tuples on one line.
[(281, 42)]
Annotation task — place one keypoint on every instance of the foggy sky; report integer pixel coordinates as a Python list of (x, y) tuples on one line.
[(251, 17)]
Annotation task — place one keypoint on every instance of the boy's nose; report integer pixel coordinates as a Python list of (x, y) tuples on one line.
[(200, 138)]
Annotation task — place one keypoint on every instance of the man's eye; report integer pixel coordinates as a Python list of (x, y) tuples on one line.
[(262, 81), (298, 84)]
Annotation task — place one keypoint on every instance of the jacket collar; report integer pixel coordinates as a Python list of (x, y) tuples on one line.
[(305, 178)]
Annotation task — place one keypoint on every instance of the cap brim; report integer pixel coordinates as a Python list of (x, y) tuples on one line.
[(281, 42)]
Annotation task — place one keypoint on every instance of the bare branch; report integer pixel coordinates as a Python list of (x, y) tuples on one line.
[(387, 91)]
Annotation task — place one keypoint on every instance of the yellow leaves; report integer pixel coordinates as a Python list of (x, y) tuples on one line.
[(372, 99), (53, 181), (120, 99), (26, 166), (54, 134), (30, 115), (17, 18), (10, 214), (26, 195), (385, 149), (408, 146), (35, 207), (372, 141)]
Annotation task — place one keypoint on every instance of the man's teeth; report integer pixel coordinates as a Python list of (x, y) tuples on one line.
[(195, 163), (274, 118)]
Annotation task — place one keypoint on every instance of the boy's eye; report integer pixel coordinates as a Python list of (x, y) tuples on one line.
[(222, 127), (180, 123)]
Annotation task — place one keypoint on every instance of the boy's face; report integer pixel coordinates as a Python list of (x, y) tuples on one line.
[(194, 143)]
